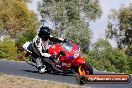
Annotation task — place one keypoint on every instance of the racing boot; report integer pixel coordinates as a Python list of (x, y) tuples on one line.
[(40, 66)]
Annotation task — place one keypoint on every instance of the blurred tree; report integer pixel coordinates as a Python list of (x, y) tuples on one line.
[(120, 27), (21, 39), (102, 45), (29, 1), (16, 18), (8, 50), (104, 57), (119, 60), (70, 16), (24, 37), (81, 36)]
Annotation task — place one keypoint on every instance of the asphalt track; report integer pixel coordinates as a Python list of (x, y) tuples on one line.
[(23, 69)]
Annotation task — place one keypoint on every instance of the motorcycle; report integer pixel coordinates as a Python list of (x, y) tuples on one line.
[(67, 59)]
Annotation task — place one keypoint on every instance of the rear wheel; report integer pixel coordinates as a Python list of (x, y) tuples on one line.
[(85, 69)]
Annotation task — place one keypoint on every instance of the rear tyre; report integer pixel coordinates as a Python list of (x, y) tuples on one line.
[(85, 69)]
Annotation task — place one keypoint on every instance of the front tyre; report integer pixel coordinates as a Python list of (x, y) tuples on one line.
[(85, 69), (81, 80)]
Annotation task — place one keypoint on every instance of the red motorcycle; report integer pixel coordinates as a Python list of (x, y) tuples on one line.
[(67, 59)]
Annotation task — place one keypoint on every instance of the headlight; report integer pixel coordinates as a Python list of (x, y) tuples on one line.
[(76, 54)]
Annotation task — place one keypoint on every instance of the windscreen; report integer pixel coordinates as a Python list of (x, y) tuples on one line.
[(68, 46)]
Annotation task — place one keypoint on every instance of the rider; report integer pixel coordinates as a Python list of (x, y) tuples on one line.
[(40, 46)]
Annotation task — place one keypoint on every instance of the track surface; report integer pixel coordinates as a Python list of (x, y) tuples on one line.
[(23, 69)]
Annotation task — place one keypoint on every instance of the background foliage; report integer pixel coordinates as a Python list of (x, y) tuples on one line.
[(104, 57), (19, 24), (120, 27), (8, 50), (70, 20), (16, 18)]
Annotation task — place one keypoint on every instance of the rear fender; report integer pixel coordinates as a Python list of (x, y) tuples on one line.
[(79, 61)]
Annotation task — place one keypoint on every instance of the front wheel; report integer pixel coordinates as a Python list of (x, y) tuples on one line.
[(85, 69)]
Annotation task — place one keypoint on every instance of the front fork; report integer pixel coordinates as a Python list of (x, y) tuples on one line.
[(79, 61), (76, 65)]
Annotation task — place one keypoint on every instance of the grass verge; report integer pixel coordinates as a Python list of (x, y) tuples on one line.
[(10, 81)]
